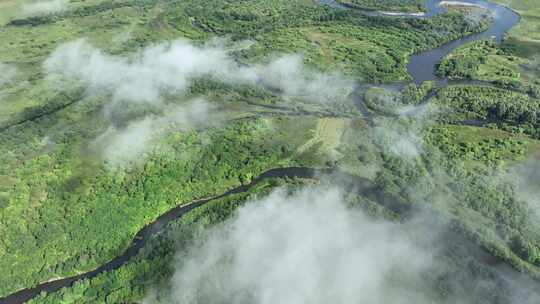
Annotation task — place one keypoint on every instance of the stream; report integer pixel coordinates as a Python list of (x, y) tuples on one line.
[(157, 226), (421, 67)]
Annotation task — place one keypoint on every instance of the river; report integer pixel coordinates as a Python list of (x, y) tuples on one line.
[(421, 67)]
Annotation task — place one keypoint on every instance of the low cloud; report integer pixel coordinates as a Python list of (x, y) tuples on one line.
[(310, 247), (7, 74), (171, 67), (289, 75), (140, 85), (44, 7), (164, 68), (304, 248), (402, 134), (123, 146), (526, 179)]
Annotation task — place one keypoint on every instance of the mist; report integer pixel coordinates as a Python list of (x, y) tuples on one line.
[(44, 7), (127, 145), (526, 179), (142, 86), (7, 74), (295, 80), (307, 247), (172, 66), (142, 78), (310, 246)]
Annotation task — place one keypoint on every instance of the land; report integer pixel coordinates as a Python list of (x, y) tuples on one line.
[(410, 6), (67, 208)]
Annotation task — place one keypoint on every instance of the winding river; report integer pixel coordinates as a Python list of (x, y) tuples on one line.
[(421, 67)]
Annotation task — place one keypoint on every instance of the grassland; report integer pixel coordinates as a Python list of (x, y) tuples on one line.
[(64, 211), (481, 60), (528, 30), (512, 111), (386, 5)]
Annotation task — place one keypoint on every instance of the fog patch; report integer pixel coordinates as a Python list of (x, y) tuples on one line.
[(526, 178), (167, 67), (7, 74), (127, 145), (171, 67), (44, 7), (302, 248), (289, 75), (141, 85), (403, 134)]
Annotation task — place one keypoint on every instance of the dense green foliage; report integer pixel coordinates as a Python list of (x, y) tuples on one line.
[(152, 266), (481, 60), (479, 144), (48, 198), (386, 5), (507, 109), (65, 210), (479, 199)]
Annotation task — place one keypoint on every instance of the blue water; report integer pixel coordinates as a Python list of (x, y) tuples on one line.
[(422, 66)]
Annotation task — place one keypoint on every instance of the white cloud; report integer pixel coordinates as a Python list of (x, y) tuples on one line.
[(167, 67), (305, 248), (124, 146), (289, 75), (170, 67), (7, 73), (44, 7)]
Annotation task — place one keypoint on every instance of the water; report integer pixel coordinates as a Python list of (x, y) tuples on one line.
[(422, 66), (149, 231)]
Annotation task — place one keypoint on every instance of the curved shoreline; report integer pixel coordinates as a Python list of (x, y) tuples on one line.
[(157, 226), (422, 66), (153, 228)]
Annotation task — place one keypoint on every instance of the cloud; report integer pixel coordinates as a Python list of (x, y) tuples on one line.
[(304, 248), (7, 74), (138, 85), (310, 247), (44, 7), (167, 67), (289, 75), (526, 179), (123, 146), (171, 67), (402, 135)]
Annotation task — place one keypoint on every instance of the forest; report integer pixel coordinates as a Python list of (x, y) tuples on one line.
[(387, 5), (94, 150)]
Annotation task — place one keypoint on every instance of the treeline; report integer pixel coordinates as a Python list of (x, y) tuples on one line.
[(468, 61), (154, 264), (484, 204), (82, 11), (509, 110), (89, 214), (386, 5)]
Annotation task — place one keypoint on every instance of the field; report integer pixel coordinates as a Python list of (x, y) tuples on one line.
[(386, 5), (115, 112), (527, 31)]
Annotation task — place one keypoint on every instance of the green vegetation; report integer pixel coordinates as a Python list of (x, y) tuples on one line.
[(66, 209), (386, 5), (508, 110), (476, 144), (526, 34), (66, 189), (152, 266), (481, 60)]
